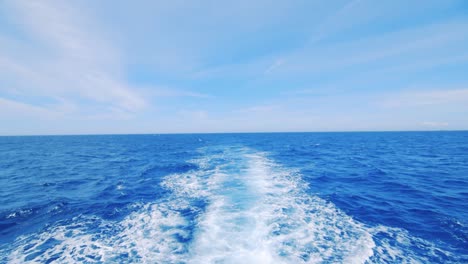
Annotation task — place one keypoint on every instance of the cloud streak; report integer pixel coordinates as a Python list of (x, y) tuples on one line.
[(76, 62), (428, 98), (274, 65), (15, 109)]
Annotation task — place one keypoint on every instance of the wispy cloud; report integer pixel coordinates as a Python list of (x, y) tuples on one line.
[(14, 109), (334, 22), (274, 65), (194, 115), (76, 62), (427, 98), (386, 50), (174, 92), (258, 109), (433, 124)]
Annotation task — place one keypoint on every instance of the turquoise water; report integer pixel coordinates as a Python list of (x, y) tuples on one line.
[(393, 197)]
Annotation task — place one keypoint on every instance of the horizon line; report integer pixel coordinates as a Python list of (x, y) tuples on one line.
[(253, 132)]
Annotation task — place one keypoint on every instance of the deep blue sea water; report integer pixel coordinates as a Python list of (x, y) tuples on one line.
[(387, 197)]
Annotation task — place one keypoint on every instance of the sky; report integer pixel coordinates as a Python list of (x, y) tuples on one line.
[(150, 66)]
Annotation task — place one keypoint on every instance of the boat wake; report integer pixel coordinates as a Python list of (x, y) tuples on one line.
[(239, 206)]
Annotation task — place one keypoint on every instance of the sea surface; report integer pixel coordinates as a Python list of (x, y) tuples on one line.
[(386, 197)]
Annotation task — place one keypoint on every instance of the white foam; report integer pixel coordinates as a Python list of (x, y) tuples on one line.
[(396, 245), (256, 212), (259, 213), (147, 236)]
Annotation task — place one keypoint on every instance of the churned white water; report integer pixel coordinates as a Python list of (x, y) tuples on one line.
[(238, 207)]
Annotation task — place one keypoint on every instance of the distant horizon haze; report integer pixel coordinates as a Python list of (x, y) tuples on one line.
[(241, 132)]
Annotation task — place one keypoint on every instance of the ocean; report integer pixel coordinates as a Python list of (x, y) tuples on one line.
[(364, 197)]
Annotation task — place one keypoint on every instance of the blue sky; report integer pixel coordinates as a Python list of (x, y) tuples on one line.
[(91, 67)]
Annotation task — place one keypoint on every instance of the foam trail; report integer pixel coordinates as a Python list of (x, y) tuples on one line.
[(258, 213), (238, 207)]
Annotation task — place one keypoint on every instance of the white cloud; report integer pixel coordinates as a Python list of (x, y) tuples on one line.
[(71, 58)]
